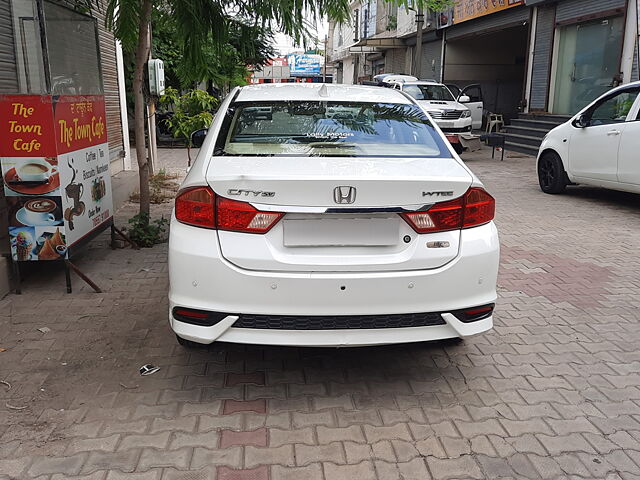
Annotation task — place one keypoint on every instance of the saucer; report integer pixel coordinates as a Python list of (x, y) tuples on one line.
[(21, 217)]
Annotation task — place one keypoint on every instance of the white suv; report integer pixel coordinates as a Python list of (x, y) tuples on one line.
[(451, 115), (331, 215)]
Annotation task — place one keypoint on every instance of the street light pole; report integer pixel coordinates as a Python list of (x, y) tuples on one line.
[(417, 64)]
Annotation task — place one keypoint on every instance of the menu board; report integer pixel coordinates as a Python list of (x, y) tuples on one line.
[(55, 169)]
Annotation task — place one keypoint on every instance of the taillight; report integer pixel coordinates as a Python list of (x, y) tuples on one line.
[(476, 207), (201, 207), (195, 206), (243, 217)]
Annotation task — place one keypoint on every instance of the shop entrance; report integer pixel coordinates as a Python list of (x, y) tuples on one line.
[(588, 62), (496, 61)]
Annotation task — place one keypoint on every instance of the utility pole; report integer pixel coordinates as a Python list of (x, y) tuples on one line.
[(324, 77), (417, 63)]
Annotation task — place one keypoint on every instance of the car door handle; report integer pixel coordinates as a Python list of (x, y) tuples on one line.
[(613, 132)]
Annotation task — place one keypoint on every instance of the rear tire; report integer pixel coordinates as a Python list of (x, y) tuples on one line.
[(188, 343), (551, 175), (458, 148)]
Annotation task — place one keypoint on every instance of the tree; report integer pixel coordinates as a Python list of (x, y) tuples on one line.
[(191, 112), (203, 24)]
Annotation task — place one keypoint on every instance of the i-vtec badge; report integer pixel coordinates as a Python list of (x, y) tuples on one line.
[(250, 193), (437, 194)]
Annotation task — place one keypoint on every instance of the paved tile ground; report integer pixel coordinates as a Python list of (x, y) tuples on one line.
[(552, 392)]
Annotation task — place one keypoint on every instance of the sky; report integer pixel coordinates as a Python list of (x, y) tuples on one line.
[(285, 44)]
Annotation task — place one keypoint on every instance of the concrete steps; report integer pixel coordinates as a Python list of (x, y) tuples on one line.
[(525, 133)]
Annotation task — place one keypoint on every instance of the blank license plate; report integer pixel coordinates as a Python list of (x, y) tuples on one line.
[(341, 232)]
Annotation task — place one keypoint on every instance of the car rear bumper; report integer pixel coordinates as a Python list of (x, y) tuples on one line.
[(201, 279)]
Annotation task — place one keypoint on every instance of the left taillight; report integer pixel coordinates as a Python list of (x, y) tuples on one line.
[(476, 207), (196, 206), (201, 207)]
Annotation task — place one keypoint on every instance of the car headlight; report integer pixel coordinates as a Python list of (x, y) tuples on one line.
[(465, 114)]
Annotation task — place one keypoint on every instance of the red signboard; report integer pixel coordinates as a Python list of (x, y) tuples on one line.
[(26, 124), (80, 122)]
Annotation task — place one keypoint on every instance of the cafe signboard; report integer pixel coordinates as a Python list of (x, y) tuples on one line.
[(55, 167), (469, 9)]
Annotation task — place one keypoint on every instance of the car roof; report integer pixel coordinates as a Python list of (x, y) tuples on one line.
[(424, 82), (320, 92)]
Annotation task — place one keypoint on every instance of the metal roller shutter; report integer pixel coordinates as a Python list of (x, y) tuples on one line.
[(510, 17), (8, 66), (545, 28), (110, 82), (431, 60), (573, 9)]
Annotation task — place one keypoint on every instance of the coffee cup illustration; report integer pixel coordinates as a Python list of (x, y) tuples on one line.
[(73, 191), (35, 170), (39, 211)]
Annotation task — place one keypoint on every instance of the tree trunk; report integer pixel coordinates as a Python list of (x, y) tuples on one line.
[(189, 153), (142, 55)]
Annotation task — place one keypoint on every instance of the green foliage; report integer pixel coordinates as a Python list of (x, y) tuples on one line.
[(392, 23), (191, 112), (146, 233)]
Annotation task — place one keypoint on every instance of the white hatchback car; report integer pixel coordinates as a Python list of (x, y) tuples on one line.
[(329, 215), (599, 146)]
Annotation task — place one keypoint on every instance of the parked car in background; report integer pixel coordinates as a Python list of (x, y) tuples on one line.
[(451, 115), (341, 218), (599, 146)]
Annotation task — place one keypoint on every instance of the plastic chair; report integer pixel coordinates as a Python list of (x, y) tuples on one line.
[(495, 120)]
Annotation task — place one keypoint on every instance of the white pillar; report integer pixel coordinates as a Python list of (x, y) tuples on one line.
[(630, 39), (124, 121), (532, 50)]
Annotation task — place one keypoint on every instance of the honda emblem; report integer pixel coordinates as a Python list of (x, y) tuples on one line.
[(344, 194)]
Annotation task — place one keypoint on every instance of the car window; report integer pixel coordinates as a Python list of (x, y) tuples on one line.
[(614, 109), (429, 92), (328, 129), (474, 93)]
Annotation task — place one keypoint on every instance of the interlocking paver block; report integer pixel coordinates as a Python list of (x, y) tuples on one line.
[(282, 455), (234, 406), (229, 438), (362, 471), (310, 472), (333, 452), (258, 473)]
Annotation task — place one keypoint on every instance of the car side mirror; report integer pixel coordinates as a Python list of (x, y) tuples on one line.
[(464, 99), (583, 121), (197, 137)]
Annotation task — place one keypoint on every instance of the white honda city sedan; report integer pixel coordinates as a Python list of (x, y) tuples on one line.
[(329, 215), (599, 146)]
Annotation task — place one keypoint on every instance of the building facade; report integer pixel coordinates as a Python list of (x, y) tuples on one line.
[(544, 56)]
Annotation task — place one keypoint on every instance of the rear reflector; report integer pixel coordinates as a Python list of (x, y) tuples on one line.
[(201, 207), (201, 318), (474, 314), (476, 207)]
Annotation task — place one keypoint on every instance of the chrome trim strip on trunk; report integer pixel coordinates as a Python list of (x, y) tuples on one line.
[(304, 209)]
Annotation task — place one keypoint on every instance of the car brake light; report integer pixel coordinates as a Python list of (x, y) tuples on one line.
[(243, 217), (195, 206), (201, 207), (475, 207)]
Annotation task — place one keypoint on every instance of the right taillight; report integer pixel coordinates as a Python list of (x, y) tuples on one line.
[(475, 207), (201, 207)]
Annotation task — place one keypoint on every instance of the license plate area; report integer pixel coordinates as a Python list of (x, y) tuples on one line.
[(341, 232)]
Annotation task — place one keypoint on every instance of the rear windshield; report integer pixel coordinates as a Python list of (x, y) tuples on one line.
[(429, 92), (328, 129)]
